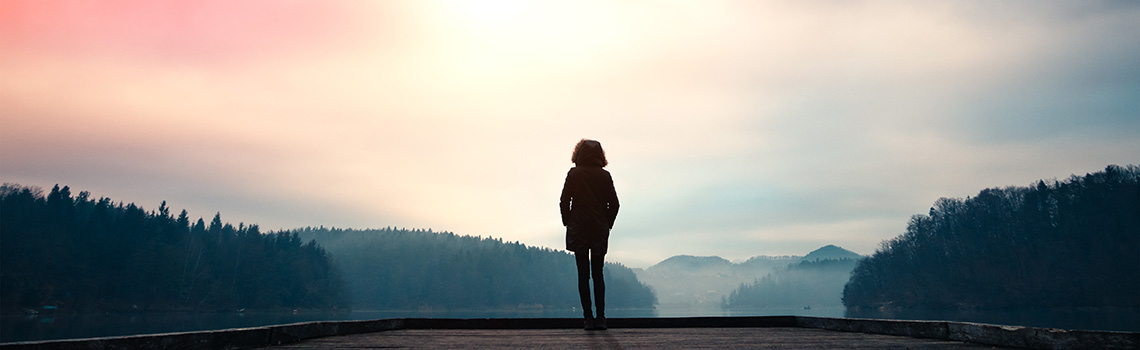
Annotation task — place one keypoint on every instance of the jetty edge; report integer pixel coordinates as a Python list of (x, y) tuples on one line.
[(253, 337)]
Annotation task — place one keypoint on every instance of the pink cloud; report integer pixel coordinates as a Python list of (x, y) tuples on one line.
[(180, 30)]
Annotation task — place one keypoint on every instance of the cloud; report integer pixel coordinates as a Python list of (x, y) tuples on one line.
[(186, 32), (732, 127)]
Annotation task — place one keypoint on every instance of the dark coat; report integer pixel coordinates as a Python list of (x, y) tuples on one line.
[(589, 207)]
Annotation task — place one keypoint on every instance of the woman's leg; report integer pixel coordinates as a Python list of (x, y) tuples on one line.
[(597, 261), (582, 258)]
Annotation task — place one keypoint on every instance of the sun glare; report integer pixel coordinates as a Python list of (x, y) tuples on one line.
[(492, 12)]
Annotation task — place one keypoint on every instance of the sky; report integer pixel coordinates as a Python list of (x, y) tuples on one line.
[(733, 128)]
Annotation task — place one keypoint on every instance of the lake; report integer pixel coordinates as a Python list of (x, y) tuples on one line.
[(43, 327)]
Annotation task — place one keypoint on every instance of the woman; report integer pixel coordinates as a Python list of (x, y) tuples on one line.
[(589, 206)]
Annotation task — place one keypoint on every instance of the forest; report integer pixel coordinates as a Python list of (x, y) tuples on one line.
[(1071, 243), (389, 268), (817, 282), (80, 254)]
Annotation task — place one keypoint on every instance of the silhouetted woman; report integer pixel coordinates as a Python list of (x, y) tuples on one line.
[(589, 206)]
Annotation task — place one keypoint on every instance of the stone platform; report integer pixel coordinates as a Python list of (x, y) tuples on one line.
[(627, 338), (766, 332)]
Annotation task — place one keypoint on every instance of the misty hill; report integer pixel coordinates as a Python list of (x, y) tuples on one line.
[(691, 263), (396, 269), (692, 282), (1058, 244), (815, 282), (831, 252), (78, 254), (703, 282)]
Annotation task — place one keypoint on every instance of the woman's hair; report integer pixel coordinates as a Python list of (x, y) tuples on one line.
[(589, 152)]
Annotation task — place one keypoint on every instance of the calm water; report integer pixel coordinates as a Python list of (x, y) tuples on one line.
[(42, 327)]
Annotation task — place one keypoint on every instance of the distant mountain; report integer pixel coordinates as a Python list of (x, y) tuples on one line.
[(689, 262), (817, 279), (686, 281), (831, 252), (811, 282), (767, 263)]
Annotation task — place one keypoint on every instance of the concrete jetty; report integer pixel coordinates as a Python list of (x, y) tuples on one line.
[(770, 332)]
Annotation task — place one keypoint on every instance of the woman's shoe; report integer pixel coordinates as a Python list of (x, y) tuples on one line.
[(589, 324), (600, 324)]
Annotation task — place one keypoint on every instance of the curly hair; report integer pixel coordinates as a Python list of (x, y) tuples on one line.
[(589, 152)]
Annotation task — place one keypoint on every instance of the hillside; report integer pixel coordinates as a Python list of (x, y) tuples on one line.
[(693, 282), (397, 269), (831, 252), (76, 254), (1055, 244), (84, 255), (816, 282), (691, 263)]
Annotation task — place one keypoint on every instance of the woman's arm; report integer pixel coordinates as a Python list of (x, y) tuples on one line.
[(565, 200), (611, 202)]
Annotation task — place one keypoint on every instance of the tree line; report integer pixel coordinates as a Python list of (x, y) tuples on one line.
[(1072, 243), (80, 254), (392, 268)]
